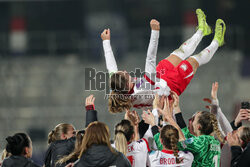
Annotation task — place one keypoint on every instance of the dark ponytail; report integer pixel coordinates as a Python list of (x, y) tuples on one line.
[(17, 143)]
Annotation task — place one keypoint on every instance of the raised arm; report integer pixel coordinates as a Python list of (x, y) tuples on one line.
[(215, 109), (152, 48), (108, 53), (244, 114), (91, 113), (167, 112), (134, 118)]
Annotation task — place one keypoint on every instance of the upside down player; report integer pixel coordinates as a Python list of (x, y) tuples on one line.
[(173, 73)]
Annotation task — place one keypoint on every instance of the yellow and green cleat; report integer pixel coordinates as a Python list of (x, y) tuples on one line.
[(202, 24), (220, 29)]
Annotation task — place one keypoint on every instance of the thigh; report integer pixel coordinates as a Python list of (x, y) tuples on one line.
[(193, 63), (175, 60)]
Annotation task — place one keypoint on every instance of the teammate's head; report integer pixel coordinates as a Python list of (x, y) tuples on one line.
[(73, 156), (243, 134), (121, 82), (169, 138), (19, 144), (119, 102), (62, 131), (190, 124), (119, 99), (124, 133), (205, 123), (96, 133)]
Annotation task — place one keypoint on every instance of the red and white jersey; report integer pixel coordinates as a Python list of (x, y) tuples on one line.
[(167, 158), (138, 153)]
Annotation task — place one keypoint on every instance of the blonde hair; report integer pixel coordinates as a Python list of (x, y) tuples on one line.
[(96, 133), (56, 133), (209, 124), (119, 99), (170, 139), (5, 154), (123, 133), (119, 102), (75, 154)]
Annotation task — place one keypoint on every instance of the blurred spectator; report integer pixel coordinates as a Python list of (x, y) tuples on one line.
[(240, 146)]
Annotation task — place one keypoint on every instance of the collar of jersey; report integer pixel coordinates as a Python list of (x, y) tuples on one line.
[(168, 151)]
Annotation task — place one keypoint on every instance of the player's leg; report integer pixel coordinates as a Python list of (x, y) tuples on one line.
[(205, 56), (189, 46)]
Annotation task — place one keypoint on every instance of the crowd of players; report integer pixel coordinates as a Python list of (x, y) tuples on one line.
[(160, 137), (208, 140)]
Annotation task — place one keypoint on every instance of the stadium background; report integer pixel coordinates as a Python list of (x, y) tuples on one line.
[(45, 46)]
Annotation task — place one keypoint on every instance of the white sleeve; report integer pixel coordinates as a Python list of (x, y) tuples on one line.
[(155, 113), (109, 57), (151, 53), (150, 138), (222, 120)]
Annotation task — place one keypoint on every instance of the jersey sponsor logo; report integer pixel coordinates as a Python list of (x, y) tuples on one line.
[(184, 67), (189, 141), (167, 161)]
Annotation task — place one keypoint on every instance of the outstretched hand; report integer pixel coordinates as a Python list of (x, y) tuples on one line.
[(214, 90), (176, 102), (233, 140), (244, 114), (155, 25), (132, 116), (158, 102), (105, 35), (167, 110), (148, 117), (90, 100)]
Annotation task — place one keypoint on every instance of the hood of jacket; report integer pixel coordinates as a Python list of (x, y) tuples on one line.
[(98, 155)]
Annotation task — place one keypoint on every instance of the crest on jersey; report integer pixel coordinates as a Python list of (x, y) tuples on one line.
[(189, 141), (184, 67)]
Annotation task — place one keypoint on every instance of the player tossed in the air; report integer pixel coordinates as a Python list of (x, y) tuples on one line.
[(171, 74)]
